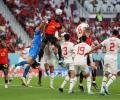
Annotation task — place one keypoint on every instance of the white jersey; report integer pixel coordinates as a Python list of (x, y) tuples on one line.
[(80, 29), (25, 52), (79, 50), (110, 59), (67, 51), (111, 45)]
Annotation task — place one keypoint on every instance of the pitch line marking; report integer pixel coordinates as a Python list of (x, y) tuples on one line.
[(48, 88)]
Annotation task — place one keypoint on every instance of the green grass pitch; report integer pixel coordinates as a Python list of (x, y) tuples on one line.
[(18, 92)]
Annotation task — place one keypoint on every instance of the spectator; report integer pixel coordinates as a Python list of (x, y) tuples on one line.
[(99, 17)]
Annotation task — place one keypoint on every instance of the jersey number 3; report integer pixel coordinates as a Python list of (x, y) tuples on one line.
[(65, 51)]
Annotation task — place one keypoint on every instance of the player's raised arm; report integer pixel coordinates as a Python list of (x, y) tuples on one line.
[(93, 49)]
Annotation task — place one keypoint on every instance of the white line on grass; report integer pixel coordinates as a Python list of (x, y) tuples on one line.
[(50, 88)]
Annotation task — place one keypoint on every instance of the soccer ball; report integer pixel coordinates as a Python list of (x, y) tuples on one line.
[(58, 11)]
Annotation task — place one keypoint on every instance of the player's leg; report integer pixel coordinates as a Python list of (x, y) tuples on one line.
[(73, 78), (14, 71), (39, 76), (5, 70), (30, 76), (51, 76), (94, 75), (56, 43), (112, 78), (104, 81), (86, 73), (23, 78), (46, 65), (67, 78), (80, 86)]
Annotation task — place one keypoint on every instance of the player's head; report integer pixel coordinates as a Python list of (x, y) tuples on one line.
[(115, 32), (59, 19), (82, 19), (83, 38), (67, 37)]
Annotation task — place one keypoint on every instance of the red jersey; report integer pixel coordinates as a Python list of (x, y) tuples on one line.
[(89, 41), (3, 56), (52, 27)]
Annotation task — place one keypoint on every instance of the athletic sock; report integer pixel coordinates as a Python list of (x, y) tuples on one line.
[(89, 84), (40, 76), (72, 83), (111, 81), (94, 75), (65, 81), (30, 78), (51, 79), (81, 79), (103, 83), (23, 80)]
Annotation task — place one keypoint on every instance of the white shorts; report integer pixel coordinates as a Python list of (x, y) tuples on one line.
[(48, 60), (70, 66), (110, 64), (82, 68)]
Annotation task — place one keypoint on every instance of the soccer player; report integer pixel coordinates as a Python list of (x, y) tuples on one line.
[(93, 68), (81, 28), (67, 53), (4, 62), (110, 60), (80, 61), (48, 62), (34, 50), (23, 54), (55, 24)]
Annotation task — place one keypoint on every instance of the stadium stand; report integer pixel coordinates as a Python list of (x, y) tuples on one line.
[(7, 35), (30, 12)]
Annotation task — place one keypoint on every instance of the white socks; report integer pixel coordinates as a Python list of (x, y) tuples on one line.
[(51, 79), (65, 81), (111, 81), (72, 83), (89, 84), (30, 78), (103, 83)]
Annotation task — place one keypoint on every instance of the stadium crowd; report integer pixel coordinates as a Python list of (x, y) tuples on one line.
[(30, 13)]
